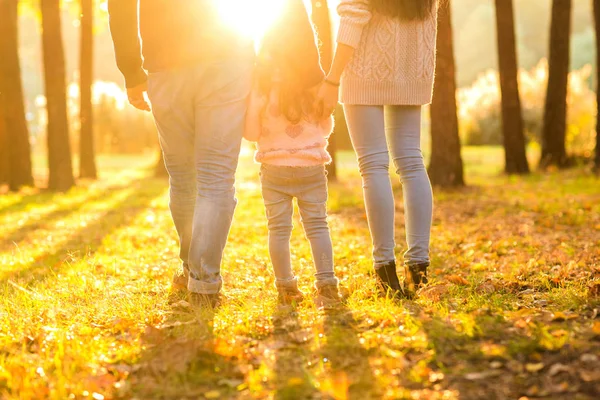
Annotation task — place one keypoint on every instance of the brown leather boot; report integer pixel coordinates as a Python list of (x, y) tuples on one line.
[(415, 277), (387, 280)]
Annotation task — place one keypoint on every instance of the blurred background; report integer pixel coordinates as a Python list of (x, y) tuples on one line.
[(120, 129)]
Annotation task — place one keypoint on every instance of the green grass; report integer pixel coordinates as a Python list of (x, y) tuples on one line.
[(511, 310)]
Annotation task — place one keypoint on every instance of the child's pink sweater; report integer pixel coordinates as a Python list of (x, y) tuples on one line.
[(280, 142)]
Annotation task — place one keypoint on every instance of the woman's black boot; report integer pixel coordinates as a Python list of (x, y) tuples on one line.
[(415, 277), (387, 280)]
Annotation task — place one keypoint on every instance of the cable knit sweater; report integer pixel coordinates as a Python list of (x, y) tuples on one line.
[(394, 61), (280, 142)]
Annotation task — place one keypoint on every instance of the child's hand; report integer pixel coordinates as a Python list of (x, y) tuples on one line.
[(326, 100)]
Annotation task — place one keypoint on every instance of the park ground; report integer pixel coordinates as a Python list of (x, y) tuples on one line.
[(512, 309)]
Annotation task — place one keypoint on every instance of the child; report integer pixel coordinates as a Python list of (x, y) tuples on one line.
[(291, 146)]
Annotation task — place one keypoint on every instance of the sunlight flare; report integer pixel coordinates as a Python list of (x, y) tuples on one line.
[(250, 18)]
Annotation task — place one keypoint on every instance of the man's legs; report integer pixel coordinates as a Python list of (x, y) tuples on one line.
[(220, 110), (173, 109)]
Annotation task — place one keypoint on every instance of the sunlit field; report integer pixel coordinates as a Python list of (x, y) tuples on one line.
[(86, 311)]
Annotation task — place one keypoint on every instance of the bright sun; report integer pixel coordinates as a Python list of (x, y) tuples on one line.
[(251, 18)]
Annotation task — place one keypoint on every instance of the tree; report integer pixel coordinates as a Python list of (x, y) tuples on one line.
[(515, 154), (322, 21), (446, 166), (87, 156), (555, 113), (597, 25), (59, 149), (17, 149)]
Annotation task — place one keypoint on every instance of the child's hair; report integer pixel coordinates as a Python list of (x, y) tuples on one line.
[(276, 71)]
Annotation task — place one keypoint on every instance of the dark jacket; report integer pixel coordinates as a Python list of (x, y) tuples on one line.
[(179, 33)]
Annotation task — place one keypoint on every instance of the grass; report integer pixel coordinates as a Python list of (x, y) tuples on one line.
[(511, 310)]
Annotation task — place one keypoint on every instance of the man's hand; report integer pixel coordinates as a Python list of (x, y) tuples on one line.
[(326, 100), (136, 97)]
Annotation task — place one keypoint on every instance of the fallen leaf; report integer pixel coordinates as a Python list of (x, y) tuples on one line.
[(434, 293), (232, 383), (496, 364), (596, 328), (594, 289), (213, 394), (458, 280), (476, 376), (561, 316), (589, 376), (534, 367), (589, 358), (559, 333), (558, 368), (295, 381)]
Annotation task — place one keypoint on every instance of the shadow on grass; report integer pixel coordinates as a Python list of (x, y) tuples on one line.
[(348, 367), (182, 358), (87, 239), (43, 196), (292, 379), (15, 236)]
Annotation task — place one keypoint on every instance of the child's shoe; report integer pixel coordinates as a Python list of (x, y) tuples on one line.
[(289, 294), (388, 282), (328, 297)]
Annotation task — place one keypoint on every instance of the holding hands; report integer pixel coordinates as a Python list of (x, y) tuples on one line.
[(327, 98)]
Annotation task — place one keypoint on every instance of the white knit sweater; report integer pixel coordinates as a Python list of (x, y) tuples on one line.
[(394, 61)]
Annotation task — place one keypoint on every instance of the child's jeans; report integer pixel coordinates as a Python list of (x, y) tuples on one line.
[(309, 185)]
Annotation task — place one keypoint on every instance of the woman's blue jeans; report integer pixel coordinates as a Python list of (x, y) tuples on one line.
[(377, 132)]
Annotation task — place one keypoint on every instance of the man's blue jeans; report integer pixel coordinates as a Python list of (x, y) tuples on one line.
[(200, 113)]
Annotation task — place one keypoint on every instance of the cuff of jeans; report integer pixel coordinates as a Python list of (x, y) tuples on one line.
[(321, 283), (202, 287), (287, 283)]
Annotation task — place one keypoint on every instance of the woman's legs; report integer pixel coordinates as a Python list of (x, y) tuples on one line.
[(403, 129), (367, 131)]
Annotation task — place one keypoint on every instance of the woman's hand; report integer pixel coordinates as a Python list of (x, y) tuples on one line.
[(326, 99)]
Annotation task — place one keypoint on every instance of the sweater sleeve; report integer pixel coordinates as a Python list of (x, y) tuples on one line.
[(354, 15), (124, 28), (253, 126)]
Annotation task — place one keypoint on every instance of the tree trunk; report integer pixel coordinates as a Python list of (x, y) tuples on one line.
[(59, 149), (597, 25), (18, 148), (322, 20), (555, 113), (4, 165), (87, 156), (515, 154), (446, 166), (160, 171)]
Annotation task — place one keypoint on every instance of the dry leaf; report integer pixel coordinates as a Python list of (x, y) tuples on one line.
[(558, 368), (589, 358), (476, 376), (534, 367), (458, 280), (596, 328), (213, 394), (561, 316)]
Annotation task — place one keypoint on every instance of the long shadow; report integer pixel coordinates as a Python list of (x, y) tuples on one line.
[(42, 196), (350, 373), (292, 380), (17, 235), (88, 239), (183, 350)]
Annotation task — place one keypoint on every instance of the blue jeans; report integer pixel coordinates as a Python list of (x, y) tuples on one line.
[(377, 131), (280, 185), (200, 113)]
